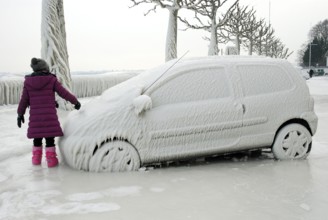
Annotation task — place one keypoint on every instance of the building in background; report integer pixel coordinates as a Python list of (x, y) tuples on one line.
[(231, 50)]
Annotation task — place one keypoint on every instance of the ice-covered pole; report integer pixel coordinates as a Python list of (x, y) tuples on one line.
[(53, 43)]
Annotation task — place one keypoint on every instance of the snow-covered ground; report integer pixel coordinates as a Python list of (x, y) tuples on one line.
[(233, 187)]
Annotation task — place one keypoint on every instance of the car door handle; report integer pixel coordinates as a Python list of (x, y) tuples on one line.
[(240, 106), (244, 108)]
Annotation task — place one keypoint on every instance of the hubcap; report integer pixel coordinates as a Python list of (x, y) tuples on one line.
[(295, 144)]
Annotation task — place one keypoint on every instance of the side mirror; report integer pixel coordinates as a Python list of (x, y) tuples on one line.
[(142, 103)]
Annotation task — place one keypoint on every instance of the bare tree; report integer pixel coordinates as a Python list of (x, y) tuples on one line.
[(208, 18), (263, 33), (244, 28), (278, 50), (173, 6), (254, 32), (53, 46), (268, 40), (237, 26)]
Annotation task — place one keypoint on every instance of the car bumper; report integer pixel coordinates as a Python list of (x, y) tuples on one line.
[(312, 120)]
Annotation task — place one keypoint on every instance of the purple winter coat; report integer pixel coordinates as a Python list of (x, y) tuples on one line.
[(39, 93)]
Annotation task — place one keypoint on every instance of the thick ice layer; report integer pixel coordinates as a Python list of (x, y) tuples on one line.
[(96, 123), (108, 117)]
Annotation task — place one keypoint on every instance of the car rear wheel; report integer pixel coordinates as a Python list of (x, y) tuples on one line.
[(292, 142), (115, 156)]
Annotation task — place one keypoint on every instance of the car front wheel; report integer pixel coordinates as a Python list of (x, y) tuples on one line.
[(292, 142), (116, 156)]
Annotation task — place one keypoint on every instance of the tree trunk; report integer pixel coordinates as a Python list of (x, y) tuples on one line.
[(213, 47), (266, 47), (250, 49), (171, 37), (54, 47), (238, 44), (260, 46)]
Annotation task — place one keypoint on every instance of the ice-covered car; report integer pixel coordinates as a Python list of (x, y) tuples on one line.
[(190, 108)]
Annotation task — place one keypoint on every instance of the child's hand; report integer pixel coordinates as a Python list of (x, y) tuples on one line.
[(77, 105), (20, 120)]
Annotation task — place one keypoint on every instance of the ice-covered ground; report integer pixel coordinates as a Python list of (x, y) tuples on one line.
[(234, 187)]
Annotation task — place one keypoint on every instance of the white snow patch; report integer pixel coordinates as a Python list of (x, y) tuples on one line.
[(112, 192), (23, 203), (3, 177), (306, 207), (317, 85), (180, 179), (79, 197), (78, 208), (123, 191), (157, 189)]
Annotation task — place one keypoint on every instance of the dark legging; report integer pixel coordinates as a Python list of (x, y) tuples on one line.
[(50, 142)]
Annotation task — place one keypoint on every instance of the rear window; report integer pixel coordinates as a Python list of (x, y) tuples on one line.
[(262, 79)]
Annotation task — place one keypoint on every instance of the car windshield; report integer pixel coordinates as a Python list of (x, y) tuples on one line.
[(136, 85), (149, 77)]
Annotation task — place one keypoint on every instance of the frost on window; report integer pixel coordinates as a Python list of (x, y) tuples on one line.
[(193, 85), (263, 79)]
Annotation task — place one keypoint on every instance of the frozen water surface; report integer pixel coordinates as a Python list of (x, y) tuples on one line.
[(236, 187)]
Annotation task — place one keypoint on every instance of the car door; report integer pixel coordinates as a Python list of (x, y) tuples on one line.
[(267, 102), (194, 113)]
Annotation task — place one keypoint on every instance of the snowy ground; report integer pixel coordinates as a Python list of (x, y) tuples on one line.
[(235, 187)]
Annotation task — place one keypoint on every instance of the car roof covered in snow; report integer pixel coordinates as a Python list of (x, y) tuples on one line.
[(165, 70)]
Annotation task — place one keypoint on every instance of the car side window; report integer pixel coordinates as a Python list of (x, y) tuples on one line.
[(192, 85), (263, 79)]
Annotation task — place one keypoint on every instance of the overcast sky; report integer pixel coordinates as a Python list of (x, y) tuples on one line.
[(108, 35)]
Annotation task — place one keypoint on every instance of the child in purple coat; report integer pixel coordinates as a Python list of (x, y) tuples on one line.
[(39, 94)]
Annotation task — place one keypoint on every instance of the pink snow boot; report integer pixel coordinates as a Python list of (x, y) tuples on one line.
[(51, 156), (37, 155)]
